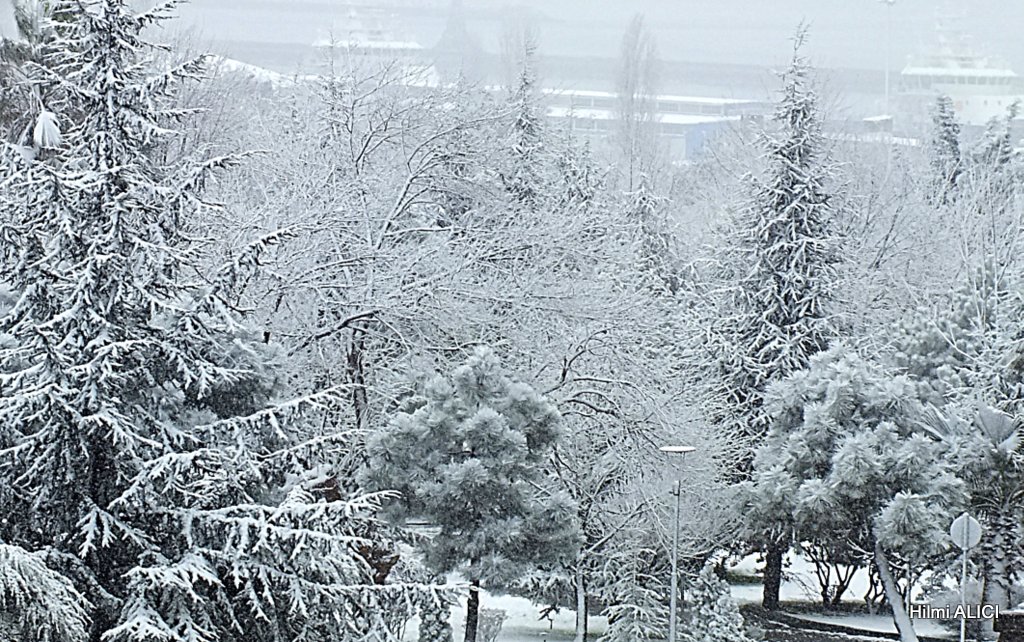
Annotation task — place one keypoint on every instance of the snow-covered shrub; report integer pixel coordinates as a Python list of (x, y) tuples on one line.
[(714, 615), (635, 591), (490, 624), (434, 620)]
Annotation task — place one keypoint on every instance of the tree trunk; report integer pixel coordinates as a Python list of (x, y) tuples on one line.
[(581, 604), (892, 592), (995, 589), (357, 376), (995, 550), (472, 611), (772, 576)]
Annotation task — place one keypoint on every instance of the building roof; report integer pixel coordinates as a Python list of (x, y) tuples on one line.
[(980, 72), (696, 100), (606, 114)]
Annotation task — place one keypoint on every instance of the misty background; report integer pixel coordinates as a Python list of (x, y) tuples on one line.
[(845, 34)]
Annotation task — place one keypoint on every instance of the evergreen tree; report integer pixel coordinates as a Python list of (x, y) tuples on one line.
[(946, 161), (654, 244), (523, 176), (635, 593), (140, 448), (847, 464), (37, 603), (467, 456), (458, 52), (714, 616), (776, 279), (995, 171)]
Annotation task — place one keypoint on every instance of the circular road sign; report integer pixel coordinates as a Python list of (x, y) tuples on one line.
[(965, 531)]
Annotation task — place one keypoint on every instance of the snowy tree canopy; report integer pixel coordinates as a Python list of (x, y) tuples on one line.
[(468, 457), (142, 446), (774, 278), (847, 465)]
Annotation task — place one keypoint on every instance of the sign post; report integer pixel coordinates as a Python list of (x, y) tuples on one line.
[(965, 531)]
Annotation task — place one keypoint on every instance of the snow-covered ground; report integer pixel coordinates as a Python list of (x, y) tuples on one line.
[(880, 623), (524, 624)]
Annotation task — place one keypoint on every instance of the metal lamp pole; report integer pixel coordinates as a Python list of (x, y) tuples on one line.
[(674, 599)]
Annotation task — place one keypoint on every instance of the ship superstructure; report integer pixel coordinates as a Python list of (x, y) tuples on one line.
[(981, 86)]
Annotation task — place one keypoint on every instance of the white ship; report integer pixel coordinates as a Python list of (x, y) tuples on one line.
[(368, 33), (981, 87)]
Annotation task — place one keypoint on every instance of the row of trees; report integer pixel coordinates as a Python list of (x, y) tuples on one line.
[(216, 368), (229, 381), (864, 448)]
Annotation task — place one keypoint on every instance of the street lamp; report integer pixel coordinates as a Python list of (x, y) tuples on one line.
[(888, 47), (681, 451)]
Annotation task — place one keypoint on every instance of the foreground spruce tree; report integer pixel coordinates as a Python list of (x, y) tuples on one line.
[(776, 280), (141, 454)]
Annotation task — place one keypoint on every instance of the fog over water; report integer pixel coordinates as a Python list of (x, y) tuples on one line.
[(844, 33), (721, 47)]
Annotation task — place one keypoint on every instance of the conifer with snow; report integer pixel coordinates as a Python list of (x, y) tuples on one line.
[(635, 593), (467, 456), (775, 279), (38, 603), (522, 176), (143, 454), (714, 615), (994, 173), (781, 255), (947, 158), (847, 464)]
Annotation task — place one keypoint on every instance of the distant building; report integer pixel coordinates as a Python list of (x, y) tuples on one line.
[(686, 123), (981, 87)]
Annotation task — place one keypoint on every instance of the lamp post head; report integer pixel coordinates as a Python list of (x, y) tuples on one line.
[(677, 450)]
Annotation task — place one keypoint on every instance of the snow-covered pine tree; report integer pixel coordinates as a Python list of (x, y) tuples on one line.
[(780, 254), (995, 171), (714, 615), (523, 177), (947, 158), (468, 457), (846, 462), (774, 287), (654, 245), (140, 449)]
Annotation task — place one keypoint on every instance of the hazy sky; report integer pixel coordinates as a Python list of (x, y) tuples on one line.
[(844, 33)]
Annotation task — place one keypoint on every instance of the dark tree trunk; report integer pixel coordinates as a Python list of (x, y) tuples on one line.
[(357, 376), (472, 611), (772, 576)]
